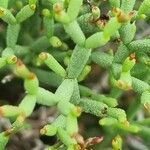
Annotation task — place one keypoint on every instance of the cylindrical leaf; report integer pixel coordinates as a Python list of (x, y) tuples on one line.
[(46, 97), (12, 35), (77, 63), (52, 63), (96, 40), (74, 31), (117, 113), (65, 90), (26, 12), (65, 138), (27, 104), (93, 107), (73, 8), (31, 84), (102, 59), (140, 45)]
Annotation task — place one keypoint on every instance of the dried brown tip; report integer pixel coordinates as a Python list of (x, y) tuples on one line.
[(132, 56), (121, 16), (101, 23), (9, 131), (57, 8), (31, 76), (19, 62), (78, 138), (147, 106), (93, 141), (131, 14)]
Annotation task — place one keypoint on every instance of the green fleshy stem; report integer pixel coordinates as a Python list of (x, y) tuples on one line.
[(65, 108), (116, 70), (117, 113), (84, 73), (21, 51), (128, 64), (52, 63), (2, 62), (74, 8), (139, 86), (46, 97), (144, 122), (111, 102), (65, 138), (21, 70), (48, 130), (60, 122), (12, 35), (65, 90), (121, 54), (10, 111), (144, 8), (74, 31), (125, 81), (71, 124), (127, 6), (140, 45), (47, 77), (85, 91), (7, 16), (108, 121), (48, 23), (144, 132), (4, 3), (102, 59), (77, 63), (3, 140), (111, 27), (127, 32), (96, 40), (26, 12), (114, 3), (27, 104), (31, 84), (18, 124), (75, 98), (93, 107)]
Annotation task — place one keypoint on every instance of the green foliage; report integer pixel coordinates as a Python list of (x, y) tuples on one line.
[(51, 43)]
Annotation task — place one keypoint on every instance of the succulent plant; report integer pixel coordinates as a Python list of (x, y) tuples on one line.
[(56, 42)]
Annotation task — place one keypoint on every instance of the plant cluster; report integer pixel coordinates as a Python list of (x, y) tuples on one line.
[(56, 42)]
